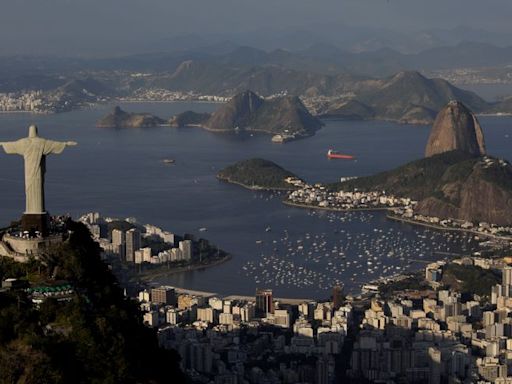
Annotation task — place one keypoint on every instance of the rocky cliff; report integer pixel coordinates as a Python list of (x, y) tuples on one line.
[(456, 128), (484, 194), (249, 112), (238, 112)]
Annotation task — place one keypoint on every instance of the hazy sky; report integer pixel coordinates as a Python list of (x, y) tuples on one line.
[(102, 26)]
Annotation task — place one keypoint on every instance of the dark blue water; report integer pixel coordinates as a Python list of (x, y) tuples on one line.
[(120, 173)]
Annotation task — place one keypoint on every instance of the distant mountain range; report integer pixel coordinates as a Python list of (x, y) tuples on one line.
[(350, 38), (321, 57), (332, 82), (407, 97), (326, 59)]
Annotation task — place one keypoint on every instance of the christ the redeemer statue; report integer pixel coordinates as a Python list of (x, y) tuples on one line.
[(34, 150)]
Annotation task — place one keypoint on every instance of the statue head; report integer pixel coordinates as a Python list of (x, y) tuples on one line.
[(32, 131)]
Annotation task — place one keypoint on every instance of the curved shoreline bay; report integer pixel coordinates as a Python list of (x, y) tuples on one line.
[(120, 174)]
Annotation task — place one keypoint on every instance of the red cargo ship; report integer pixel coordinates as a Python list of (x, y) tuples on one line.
[(336, 155)]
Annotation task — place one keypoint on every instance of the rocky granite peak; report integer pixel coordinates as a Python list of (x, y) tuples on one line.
[(456, 128), (237, 112), (284, 115)]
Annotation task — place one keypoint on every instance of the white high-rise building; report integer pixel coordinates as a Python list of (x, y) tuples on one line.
[(119, 243), (176, 254)]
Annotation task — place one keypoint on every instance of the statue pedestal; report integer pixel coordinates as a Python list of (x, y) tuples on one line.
[(21, 248), (35, 222)]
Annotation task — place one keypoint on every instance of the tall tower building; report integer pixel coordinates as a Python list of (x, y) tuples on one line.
[(264, 302), (132, 244), (119, 243)]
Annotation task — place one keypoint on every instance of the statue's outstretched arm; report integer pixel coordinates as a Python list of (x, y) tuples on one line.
[(13, 147), (56, 147), (71, 143)]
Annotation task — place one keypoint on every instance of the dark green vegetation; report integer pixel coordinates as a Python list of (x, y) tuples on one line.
[(98, 337), (189, 118), (413, 282), (121, 119), (470, 279), (462, 278), (417, 179), (249, 112), (257, 174), (449, 185)]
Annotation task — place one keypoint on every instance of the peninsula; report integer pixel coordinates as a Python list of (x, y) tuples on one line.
[(121, 119), (457, 181), (257, 174)]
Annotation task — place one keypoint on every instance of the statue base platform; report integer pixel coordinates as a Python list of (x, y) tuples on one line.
[(33, 222), (22, 248)]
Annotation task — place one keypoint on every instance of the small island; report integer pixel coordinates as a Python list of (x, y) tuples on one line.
[(121, 119), (257, 174), (284, 117)]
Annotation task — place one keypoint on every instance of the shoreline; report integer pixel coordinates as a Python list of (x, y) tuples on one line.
[(150, 276), (441, 228), (306, 206), (253, 188), (26, 112), (135, 101), (289, 300)]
